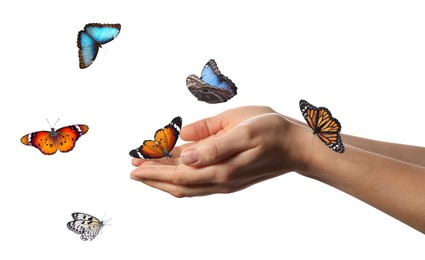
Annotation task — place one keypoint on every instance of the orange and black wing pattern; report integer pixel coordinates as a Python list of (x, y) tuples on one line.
[(42, 140), (49, 142), (68, 136), (326, 127), (165, 140)]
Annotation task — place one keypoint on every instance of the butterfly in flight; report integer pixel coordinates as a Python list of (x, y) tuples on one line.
[(213, 87), (85, 225), (48, 142), (323, 124), (92, 38), (165, 140)]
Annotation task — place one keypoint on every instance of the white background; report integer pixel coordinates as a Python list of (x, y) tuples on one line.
[(364, 60)]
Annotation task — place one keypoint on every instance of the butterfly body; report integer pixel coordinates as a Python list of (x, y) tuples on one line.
[(212, 87), (92, 38), (164, 141), (85, 225), (63, 139), (326, 127)]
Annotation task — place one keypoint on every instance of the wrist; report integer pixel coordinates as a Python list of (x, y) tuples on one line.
[(298, 146), (317, 160)]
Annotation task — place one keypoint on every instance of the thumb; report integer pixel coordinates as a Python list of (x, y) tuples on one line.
[(212, 150)]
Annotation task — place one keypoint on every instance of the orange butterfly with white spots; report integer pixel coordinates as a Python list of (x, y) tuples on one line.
[(48, 142), (165, 140), (323, 124)]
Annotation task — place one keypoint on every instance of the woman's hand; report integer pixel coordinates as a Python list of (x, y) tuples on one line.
[(244, 146), (231, 151)]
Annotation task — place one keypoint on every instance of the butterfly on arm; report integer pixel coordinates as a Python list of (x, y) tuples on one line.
[(212, 87), (164, 141), (326, 127)]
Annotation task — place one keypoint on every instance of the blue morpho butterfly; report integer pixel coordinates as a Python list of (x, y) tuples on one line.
[(213, 87), (91, 38)]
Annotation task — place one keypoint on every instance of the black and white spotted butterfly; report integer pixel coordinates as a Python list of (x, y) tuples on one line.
[(85, 225)]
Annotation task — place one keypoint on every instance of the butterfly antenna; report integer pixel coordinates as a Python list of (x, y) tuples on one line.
[(105, 221), (187, 95), (54, 124), (104, 50)]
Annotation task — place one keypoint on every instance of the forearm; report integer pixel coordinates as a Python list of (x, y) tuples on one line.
[(392, 186), (407, 153)]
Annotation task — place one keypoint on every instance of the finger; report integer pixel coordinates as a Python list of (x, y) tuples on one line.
[(180, 191), (136, 162), (165, 161), (216, 149), (202, 128), (178, 175), (213, 125)]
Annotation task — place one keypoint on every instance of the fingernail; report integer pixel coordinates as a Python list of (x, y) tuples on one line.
[(190, 156)]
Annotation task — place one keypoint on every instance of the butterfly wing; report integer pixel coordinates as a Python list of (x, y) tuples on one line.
[(102, 33), (167, 137), (212, 87), (84, 216), (87, 49), (68, 136), (330, 129), (91, 38), (77, 226), (87, 229), (309, 113), (44, 141), (149, 150), (165, 140), (91, 232), (323, 124), (212, 76), (85, 225)]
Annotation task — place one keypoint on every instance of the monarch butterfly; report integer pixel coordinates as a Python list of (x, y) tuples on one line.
[(212, 87), (165, 140), (63, 139), (323, 124), (85, 225), (92, 38)]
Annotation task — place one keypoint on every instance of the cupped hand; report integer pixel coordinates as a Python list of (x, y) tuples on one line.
[(229, 152), (208, 128)]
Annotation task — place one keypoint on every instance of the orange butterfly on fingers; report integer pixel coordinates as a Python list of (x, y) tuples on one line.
[(48, 142), (326, 127), (165, 140)]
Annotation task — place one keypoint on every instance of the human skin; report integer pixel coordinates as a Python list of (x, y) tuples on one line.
[(246, 145)]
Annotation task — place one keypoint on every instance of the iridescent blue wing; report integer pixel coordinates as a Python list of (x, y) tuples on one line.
[(102, 33), (212, 76), (87, 49), (212, 87), (92, 38)]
